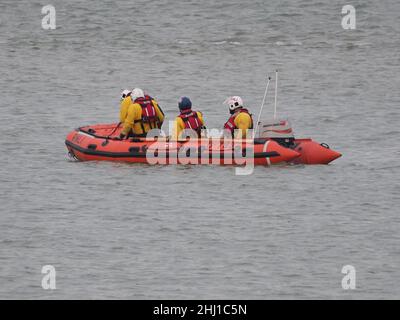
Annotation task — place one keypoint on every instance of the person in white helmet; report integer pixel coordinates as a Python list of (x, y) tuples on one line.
[(125, 93), (240, 118), (124, 105), (143, 115)]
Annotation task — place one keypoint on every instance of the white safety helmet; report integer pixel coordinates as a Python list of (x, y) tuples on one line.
[(137, 93), (234, 103), (125, 93)]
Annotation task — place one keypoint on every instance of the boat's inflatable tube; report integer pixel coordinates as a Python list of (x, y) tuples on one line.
[(93, 143), (99, 142), (312, 152)]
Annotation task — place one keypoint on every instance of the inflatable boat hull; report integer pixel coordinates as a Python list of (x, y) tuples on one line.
[(99, 143), (312, 152), (86, 147)]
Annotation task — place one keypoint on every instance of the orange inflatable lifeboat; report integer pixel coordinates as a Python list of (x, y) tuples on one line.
[(100, 142)]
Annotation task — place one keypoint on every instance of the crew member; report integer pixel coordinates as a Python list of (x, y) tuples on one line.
[(187, 120), (143, 115), (240, 118), (125, 103)]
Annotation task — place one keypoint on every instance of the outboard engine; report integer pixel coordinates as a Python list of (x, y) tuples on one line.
[(278, 130)]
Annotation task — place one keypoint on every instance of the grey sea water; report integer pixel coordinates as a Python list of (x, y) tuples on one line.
[(131, 231)]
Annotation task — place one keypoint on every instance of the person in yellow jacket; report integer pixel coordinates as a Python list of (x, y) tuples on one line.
[(187, 120), (240, 119), (143, 115), (125, 103)]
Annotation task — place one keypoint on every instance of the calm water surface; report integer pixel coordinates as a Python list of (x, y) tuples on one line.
[(131, 231)]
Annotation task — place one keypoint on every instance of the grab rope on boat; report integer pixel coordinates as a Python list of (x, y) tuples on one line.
[(72, 156), (324, 145), (92, 133), (115, 129)]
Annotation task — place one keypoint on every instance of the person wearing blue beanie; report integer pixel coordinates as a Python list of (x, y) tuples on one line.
[(184, 103), (188, 120)]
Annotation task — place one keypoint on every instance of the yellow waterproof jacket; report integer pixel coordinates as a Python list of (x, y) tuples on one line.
[(123, 112), (239, 124), (133, 120), (244, 122), (179, 126)]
